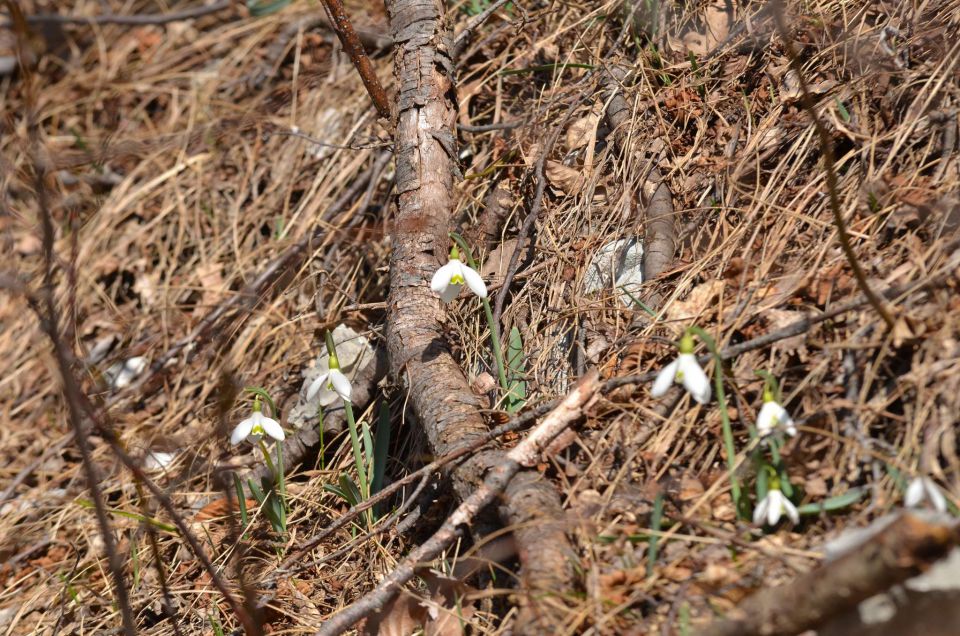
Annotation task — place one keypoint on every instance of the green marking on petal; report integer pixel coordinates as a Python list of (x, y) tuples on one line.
[(456, 279)]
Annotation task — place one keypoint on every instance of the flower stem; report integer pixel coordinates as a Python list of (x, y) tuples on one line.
[(267, 458), (494, 329), (281, 478), (357, 452), (729, 447)]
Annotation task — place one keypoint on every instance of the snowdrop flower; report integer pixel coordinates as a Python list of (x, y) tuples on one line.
[(333, 379), (773, 417), (772, 506), (684, 370), (923, 488), (255, 427), (450, 279)]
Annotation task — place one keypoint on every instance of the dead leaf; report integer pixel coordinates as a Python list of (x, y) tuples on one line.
[(699, 303), (495, 265), (211, 280), (582, 132), (565, 178), (717, 18), (401, 617)]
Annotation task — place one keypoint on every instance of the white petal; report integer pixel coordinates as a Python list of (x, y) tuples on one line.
[(768, 418), (775, 508), (915, 491), (936, 497), (450, 292), (474, 281), (694, 379), (792, 511), (316, 385), (340, 384), (241, 431), (761, 511), (272, 428), (665, 379), (441, 278)]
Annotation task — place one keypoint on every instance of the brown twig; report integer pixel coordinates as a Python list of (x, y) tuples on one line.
[(341, 25), (905, 548), (127, 20), (45, 309), (526, 453), (426, 161), (829, 165), (473, 24)]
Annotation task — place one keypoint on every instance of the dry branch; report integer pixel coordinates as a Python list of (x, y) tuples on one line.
[(342, 26), (426, 162), (903, 550), (526, 453)]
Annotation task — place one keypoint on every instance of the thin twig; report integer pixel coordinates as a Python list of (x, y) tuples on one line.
[(473, 24), (49, 319), (341, 25), (525, 453), (829, 164)]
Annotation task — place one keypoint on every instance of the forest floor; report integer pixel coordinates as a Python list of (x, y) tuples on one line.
[(218, 192)]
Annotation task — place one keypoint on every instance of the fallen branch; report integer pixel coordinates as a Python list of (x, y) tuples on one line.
[(446, 408), (903, 550), (526, 453)]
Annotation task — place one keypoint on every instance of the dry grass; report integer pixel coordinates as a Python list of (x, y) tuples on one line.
[(175, 188)]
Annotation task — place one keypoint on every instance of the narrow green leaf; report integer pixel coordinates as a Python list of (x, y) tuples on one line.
[(241, 501), (380, 448), (831, 504), (260, 8), (256, 491), (656, 518)]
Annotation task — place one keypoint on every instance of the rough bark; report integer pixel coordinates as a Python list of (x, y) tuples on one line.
[(903, 550), (426, 114), (426, 164)]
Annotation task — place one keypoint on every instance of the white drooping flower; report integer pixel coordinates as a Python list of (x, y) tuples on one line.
[(450, 279), (255, 427), (922, 488), (772, 507), (333, 380), (684, 370), (774, 417)]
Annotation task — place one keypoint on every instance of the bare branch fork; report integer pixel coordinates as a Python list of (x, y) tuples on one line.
[(525, 454)]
